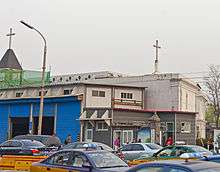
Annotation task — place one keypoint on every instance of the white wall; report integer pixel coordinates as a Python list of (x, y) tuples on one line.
[(100, 102), (187, 98), (136, 96)]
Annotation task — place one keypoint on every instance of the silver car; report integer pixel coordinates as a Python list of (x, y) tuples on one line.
[(135, 150)]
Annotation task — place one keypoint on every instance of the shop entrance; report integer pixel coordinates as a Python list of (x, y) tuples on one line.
[(19, 126), (47, 125)]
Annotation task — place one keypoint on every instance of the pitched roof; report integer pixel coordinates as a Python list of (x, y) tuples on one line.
[(9, 60)]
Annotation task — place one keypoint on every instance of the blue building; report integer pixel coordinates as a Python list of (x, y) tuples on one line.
[(20, 116)]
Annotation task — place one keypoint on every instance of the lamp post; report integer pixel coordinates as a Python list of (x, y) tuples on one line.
[(42, 79)]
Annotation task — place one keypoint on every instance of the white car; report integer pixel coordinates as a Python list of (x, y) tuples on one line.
[(135, 150)]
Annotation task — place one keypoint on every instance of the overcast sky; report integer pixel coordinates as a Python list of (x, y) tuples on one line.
[(114, 35)]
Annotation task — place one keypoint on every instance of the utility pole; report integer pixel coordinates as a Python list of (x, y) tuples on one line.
[(42, 79), (156, 63)]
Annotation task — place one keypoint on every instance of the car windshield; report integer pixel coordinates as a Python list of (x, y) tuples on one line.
[(153, 146), (74, 146), (106, 160), (31, 137), (200, 149), (29, 143)]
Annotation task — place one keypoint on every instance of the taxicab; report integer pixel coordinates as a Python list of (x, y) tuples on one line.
[(184, 164), (170, 153), (80, 160)]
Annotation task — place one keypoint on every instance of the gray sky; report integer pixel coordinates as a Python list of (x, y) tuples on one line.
[(115, 35)]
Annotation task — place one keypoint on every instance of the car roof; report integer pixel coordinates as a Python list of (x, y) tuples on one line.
[(193, 164), (83, 151)]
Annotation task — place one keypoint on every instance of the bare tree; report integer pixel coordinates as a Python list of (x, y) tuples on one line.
[(212, 83)]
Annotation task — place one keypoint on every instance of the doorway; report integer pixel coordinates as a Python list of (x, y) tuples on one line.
[(47, 125), (19, 126)]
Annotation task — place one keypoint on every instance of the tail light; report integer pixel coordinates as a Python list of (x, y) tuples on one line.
[(35, 151)]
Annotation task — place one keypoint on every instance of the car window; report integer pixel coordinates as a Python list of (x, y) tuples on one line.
[(178, 151), (165, 152), (199, 149), (16, 144), (6, 144), (126, 148), (31, 143), (79, 160), (106, 160), (63, 158), (153, 146), (151, 169), (137, 147)]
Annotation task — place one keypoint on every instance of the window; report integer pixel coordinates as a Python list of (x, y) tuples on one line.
[(96, 93), (67, 92), (137, 147), (45, 92), (16, 144), (88, 132), (165, 152), (101, 94), (127, 148), (126, 95), (80, 160), (127, 136), (185, 127), (101, 126), (64, 158), (170, 126), (18, 94)]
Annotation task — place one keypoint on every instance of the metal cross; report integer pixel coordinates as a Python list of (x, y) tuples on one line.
[(10, 35), (157, 47)]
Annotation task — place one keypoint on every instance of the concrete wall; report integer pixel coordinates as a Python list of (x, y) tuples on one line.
[(99, 102), (189, 138)]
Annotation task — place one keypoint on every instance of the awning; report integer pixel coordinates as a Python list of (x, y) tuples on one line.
[(94, 117)]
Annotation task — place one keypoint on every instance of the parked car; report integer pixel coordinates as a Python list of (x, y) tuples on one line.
[(80, 145), (80, 160), (135, 150), (47, 140), (170, 152), (177, 166), (22, 147)]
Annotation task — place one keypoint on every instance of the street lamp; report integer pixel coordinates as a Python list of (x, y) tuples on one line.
[(42, 79)]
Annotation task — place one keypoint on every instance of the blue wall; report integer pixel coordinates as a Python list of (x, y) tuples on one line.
[(66, 109)]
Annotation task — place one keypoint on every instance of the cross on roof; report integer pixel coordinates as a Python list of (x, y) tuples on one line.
[(10, 36), (156, 60), (157, 47)]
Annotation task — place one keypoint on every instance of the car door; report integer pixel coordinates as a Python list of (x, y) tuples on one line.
[(136, 151), (126, 150)]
